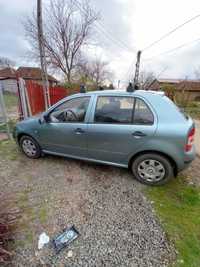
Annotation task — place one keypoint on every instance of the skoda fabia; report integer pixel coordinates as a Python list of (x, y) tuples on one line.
[(144, 131)]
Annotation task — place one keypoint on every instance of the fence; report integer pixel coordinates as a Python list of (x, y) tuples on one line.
[(35, 95), (8, 110)]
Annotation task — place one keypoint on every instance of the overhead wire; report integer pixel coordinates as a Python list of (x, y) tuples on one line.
[(170, 32), (172, 50)]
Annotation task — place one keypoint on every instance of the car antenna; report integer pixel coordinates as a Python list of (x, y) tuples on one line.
[(130, 88), (82, 89)]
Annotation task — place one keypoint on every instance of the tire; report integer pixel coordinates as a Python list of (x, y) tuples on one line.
[(152, 169), (30, 147)]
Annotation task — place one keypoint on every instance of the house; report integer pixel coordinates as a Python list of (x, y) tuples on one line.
[(35, 75), (8, 80), (8, 77), (190, 87)]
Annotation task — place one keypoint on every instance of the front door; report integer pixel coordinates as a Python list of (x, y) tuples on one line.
[(66, 130), (121, 125)]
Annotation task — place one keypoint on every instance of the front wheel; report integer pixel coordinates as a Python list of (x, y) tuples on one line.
[(152, 169), (30, 147)]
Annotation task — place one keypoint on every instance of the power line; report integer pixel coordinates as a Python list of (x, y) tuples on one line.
[(170, 32), (173, 50)]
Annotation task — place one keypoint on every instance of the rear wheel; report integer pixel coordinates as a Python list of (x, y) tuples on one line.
[(152, 169), (30, 147)]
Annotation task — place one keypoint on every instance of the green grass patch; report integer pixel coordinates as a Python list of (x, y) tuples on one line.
[(11, 100), (42, 214), (11, 124), (178, 207), (9, 150)]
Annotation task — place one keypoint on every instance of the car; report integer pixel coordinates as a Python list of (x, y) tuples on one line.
[(141, 130)]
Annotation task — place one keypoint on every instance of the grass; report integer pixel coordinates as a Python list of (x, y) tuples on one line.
[(178, 207), (11, 100), (8, 150), (11, 124)]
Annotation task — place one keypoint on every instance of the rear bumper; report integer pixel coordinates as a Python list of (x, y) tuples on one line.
[(188, 158)]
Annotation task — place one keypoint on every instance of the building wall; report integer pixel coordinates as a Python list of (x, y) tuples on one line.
[(9, 85)]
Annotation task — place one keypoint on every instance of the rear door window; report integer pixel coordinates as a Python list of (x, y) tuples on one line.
[(114, 109)]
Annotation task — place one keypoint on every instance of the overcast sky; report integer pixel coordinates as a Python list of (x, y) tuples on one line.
[(135, 23)]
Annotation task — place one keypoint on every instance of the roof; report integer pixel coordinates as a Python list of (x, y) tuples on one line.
[(169, 80), (123, 93), (179, 84), (189, 85), (8, 73), (33, 74)]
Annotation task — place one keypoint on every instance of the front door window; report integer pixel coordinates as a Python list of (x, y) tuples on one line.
[(73, 111)]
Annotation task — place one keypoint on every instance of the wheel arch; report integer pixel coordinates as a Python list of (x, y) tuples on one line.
[(171, 160), (19, 136)]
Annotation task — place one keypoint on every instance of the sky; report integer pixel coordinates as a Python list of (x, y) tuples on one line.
[(126, 26)]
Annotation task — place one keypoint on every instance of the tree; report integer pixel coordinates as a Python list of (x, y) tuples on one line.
[(94, 71), (67, 28), (146, 78), (111, 86), (6, 62)]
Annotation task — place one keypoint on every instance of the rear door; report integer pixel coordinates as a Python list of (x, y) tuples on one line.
[(118, 127)]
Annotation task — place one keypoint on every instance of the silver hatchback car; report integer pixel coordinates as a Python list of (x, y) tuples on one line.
[(143, 131)]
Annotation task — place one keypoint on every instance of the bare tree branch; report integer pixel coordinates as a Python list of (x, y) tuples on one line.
[(67, 29), (95, 71), (6, 62)]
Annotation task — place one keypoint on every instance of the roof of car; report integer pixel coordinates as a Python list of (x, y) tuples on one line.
[(123, 92)]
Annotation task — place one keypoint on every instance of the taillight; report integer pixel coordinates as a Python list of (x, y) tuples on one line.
[(190, 140)]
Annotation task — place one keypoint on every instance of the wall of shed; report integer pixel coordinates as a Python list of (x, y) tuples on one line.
[(9, 85)]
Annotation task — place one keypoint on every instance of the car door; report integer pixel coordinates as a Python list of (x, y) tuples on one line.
[(120, 125), (66, 136)]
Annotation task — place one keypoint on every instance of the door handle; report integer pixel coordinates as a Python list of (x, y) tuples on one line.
[(138, 134), (79, 131)]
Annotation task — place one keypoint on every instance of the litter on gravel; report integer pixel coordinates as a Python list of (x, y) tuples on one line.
[(43, 239), (65, 238)]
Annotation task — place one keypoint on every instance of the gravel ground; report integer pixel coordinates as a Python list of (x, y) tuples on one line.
[(106, 205)]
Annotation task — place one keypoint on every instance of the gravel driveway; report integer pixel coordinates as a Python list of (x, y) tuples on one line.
[(107, 206)]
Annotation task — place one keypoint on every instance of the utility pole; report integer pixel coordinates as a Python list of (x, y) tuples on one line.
[(137, 70), (43, 62)]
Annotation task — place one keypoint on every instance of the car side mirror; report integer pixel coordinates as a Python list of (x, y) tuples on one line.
[(44, 118)]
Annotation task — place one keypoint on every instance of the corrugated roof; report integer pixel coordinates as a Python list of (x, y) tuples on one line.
[(8, 73), (33, 74)]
